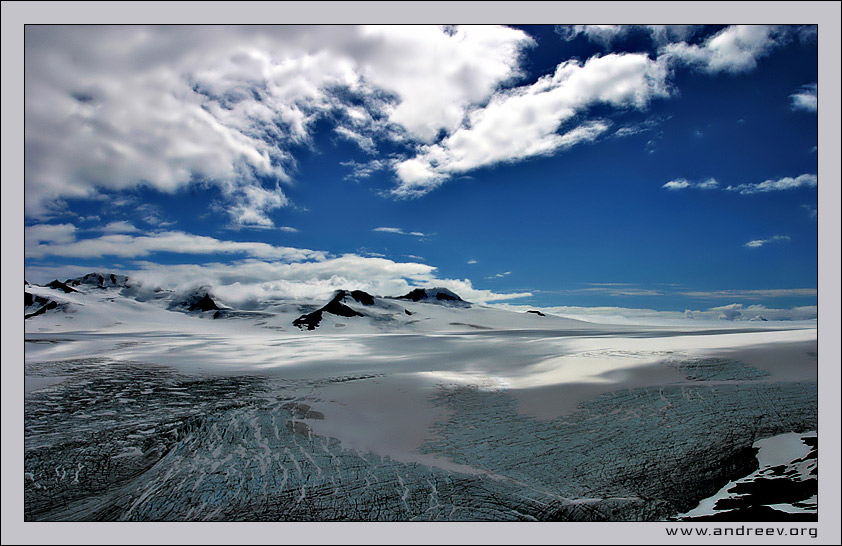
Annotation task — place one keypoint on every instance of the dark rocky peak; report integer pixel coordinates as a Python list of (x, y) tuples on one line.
[(58, 285), (205, 303), (539, 313), (362, 297), (311, 321), (336, 307), (358, 296), (432, 294), (100, 280), (198, 300)]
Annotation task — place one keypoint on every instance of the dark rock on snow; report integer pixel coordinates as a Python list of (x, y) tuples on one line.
[(58, 285)]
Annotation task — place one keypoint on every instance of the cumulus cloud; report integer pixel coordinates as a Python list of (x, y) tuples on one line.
[(525, 121), (757, 243), (110, 108), (733, 50), (781, 184), (681, 184), (806, 98)]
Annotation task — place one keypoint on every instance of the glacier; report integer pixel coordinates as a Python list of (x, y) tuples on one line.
[(143, 404)]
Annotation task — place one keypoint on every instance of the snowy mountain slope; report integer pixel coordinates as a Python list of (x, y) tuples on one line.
[(88, 297)]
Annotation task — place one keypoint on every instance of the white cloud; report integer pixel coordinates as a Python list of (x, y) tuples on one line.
[(678, 184), (806, 98), (365, 143), (665, 34), (114, 107), (637, 128), (525, 121), (398, 231), (500, 275), (361, 171), (471, 262), (49, 233), (132, 246), (253, 203), (681, 184), (781, 184), (619, 291), (119, 227), (709, 184), (757, 243), (153, 216), (606, 35), (734, 49)]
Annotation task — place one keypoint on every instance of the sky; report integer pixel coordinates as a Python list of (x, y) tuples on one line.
[(586, 168)]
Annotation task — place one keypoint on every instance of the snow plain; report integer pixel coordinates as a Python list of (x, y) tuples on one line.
[(433, 410)]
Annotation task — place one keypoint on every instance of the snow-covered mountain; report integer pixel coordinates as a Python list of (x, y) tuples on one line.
[(438, 295), (104, 298), (99, 280)]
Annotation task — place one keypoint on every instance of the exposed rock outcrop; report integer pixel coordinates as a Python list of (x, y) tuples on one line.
[(311, 321)]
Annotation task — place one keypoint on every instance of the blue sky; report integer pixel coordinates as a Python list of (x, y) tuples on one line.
[(665, 168)]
